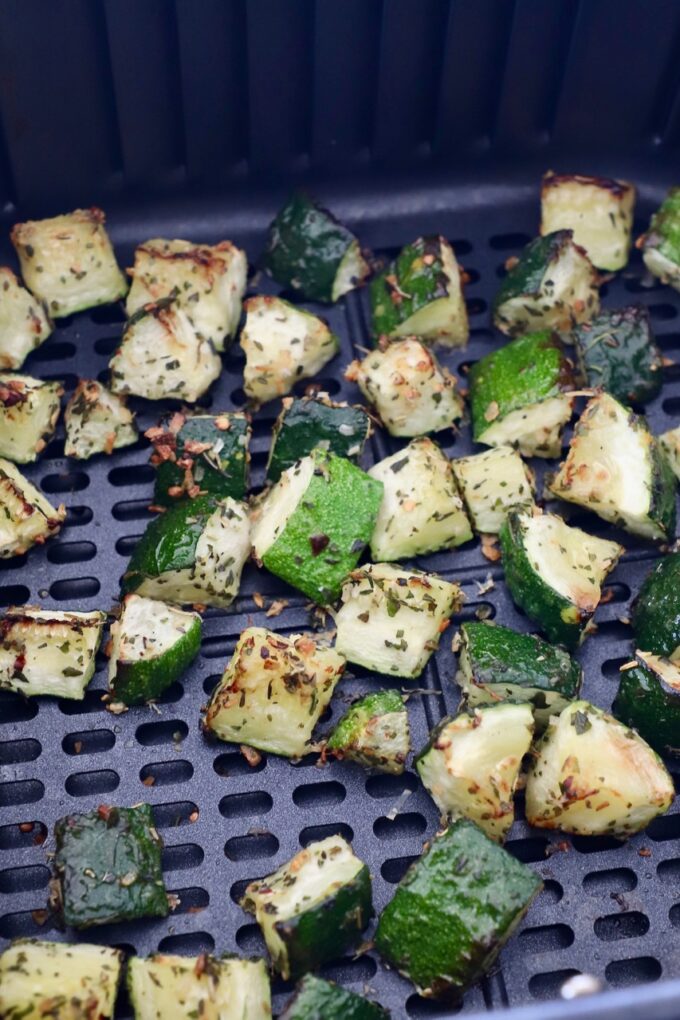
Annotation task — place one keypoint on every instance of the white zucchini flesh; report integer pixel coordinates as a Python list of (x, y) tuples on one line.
[(24, 324), (270, 518), (29, 409), (568, 294), (351, 273), (444, 320), (146, 630), (594, 776), (662, 267), (282, 344), (491, 483), (421, 509), (535, 430), (26, 517), (598, 211), (670, 444), (208, 281), (472, 767), (97, 421), (188, 987)]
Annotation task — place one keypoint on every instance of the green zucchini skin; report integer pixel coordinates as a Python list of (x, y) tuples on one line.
[(305, 248), (169, 542), (121, 844), (649, 704), (374, 733), (662, 240), (526, 275), (616, 351), (453, 910), (316, 999), (656, 610), (219, 473), (308, 422)]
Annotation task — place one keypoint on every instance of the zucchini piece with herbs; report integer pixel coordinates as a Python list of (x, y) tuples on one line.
[(471, 764), (208, 281), (593, 776), (412, 393), (552, 285), (97, 421), (108, 867), (313, 908), (648, 699), (615, 468), (555, 572), (40, 979), (29, 409), (316, 999), (307, 422), (421, 294), (421, 509), (670, 444), (311, 252), (152, 644), (598, 211), (391, 619), (200, 454), (313, 525), (24, 323), (521, 395), (282, 345), (26, 517), (194, 552), (68, 262), (454, 910), (655, 616), (273, 692), (374, 733), (161, 356), (660, 245), (189, 987), (491, 483), (45, 651), (498, 664), (617, 353)]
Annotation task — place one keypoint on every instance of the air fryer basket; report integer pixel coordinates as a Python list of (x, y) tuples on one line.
[(193, 120)]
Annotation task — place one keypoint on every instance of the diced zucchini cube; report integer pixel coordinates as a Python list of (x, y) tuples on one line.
[(520, 395), (97, 421), (617, 353), (307, 422), (282, 345), (661, 243), (421, 294), (316, 999), (472, 761), (648, 699), (273, 692), (192, 553), (313, 908), (45, 651), (161, 355), (555, 572), (655, 616), (412, 393), (391, 619), (152, 644), (453, 911), (41, 979), (208, 987), (108, 867), (500, 664), (670, 444), (374, 733), (616, 469), (593, 776), (26, 517), (491, 483), (598, 211), (207, 280), (200, 454), (68, 262), (421, 509), (29, 409), (313, 525), (552, 285), (24, 323), (310, 251)]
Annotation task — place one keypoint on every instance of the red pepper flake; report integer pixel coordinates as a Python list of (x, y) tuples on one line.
[(318, 543), (644, 851), (40, 916), (252, 756), (26, 826)]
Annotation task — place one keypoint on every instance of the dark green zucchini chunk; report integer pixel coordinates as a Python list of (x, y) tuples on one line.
[(308, 422), (374, 733), (314, 908), (500, 664), (310, 251), (617, 353), (453, 911), (661, 243), (316, 999), (108, 867), (202, 454), (649, 701), (656, 610)]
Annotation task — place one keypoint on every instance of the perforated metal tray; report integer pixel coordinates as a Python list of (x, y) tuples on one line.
[(608, 909)]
